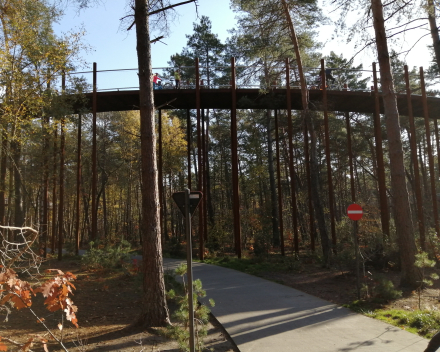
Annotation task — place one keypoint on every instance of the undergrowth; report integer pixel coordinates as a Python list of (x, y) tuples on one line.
[(108, 257), (423, 322), (178, 293)]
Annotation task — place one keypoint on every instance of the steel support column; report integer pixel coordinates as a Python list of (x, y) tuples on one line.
[(204, 173), (54, 189), (384, 214), (188, 140), (78, 186), (291, 169), (350, 157), (413, 144), (234, 154), (94, 233), (160, 177), (309, 188), (199, 163), (430, 156), (62, 156), (280, 189), (331, 196)]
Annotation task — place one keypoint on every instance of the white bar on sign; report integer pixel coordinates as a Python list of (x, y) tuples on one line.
[(355, 212), (194, 196)]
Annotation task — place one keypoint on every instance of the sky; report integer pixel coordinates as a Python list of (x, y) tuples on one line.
[(113, 47)]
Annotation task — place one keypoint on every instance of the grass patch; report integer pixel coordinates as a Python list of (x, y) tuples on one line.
[(257, 266), (422, 322)]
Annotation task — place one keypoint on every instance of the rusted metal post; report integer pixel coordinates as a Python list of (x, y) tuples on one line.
[(62, 156), (234, 153), (54, 189), (78, 186), (437, 142), (188, 139), (160, 176), (280, 189), (384, 214), (44, 225), (430, 156), (291, 169), (350, 157), (413, 144), (309, 188), (199, 163), (94, 233), (331, 196), (204, 173)]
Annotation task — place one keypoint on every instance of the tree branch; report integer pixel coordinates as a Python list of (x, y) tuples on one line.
[(164, 9)]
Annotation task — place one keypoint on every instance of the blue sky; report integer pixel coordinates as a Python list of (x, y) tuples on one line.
[(115, 48)]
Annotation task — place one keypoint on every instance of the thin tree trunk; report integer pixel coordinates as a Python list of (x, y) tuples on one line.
[(307, 116)]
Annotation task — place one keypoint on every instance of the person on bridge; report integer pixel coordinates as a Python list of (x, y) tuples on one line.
[(177, 78), (156, 80), (328, 75)]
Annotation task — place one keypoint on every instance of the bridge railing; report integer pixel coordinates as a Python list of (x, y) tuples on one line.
[(247, 77)]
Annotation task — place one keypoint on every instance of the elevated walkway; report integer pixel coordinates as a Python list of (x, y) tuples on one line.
[(344, 101)]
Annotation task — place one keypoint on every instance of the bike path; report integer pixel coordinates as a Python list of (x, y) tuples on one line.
[(263, 316)]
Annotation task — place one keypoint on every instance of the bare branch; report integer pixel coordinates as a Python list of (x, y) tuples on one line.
[(156, 39), (407, 23), (164, 9), (405, 30)]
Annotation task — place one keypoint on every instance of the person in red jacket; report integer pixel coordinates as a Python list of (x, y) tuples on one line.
[(156, 80)]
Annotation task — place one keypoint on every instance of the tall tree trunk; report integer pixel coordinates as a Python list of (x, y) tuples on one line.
[(319, 213), (154, 305), (411, 275), (434, 32)]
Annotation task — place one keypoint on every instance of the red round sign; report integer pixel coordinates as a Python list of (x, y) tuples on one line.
[(355, 212)]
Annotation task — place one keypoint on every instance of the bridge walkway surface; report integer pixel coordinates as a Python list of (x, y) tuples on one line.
[(263, 316)]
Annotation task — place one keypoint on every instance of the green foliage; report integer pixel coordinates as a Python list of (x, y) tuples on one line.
[(179, 294), (384, 290), (423, 262), (108, 257), (425, 323)]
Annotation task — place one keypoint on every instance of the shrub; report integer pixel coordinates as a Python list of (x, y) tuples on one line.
[(384, 290), (109, 257), (179, 293)]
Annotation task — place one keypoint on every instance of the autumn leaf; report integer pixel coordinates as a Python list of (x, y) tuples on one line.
[(2, 346), (27, 345)]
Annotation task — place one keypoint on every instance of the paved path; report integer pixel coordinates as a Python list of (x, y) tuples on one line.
[(263, 316)]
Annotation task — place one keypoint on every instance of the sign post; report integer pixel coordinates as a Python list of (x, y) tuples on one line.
[(187, 202), (355, 213)]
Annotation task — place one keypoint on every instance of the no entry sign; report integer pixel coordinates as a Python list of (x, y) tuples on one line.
[(355, 212)]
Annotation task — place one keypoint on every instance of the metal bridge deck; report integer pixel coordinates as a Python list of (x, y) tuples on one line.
[(344, 101)]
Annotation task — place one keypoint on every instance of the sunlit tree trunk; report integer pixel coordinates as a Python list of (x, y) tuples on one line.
[(404, 228), (154, 305)]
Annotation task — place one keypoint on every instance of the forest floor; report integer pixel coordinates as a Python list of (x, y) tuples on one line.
[(108, 302)]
